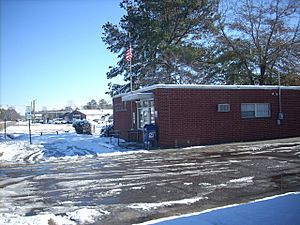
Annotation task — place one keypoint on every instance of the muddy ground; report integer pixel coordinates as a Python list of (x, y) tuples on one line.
[(134, 188)]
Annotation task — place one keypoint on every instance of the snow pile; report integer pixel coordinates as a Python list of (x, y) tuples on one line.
[(36, 128), (80, 216), (47, 219), (19, 151), (52, 142), (86, 215)]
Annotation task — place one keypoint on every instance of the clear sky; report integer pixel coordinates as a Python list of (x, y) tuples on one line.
[(51, 51)]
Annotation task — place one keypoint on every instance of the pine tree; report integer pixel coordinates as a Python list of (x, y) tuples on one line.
[(165, 40)]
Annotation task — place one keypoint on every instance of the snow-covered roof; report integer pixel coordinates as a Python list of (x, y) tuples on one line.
[(135, 96), (197, 86), (93, 112)]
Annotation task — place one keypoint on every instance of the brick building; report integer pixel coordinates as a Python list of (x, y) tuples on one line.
[(189, 115)]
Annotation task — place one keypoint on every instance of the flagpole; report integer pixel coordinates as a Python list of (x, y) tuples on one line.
[(130, 74), (130, 64)]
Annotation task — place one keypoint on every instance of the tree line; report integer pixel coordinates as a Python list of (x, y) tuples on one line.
[(206, 42), (9, 114), (101, 104)]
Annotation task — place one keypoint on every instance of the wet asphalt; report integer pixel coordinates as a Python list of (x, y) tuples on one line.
[(134, 188)]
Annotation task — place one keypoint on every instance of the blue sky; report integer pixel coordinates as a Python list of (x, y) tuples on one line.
[(51, 51)]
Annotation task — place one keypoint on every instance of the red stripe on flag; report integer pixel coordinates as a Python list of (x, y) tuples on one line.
[(128, 54)]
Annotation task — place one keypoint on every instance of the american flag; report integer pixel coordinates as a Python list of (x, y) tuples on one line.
[(128, 54)]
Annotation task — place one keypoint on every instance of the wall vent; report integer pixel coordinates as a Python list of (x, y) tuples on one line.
[(223, 108)]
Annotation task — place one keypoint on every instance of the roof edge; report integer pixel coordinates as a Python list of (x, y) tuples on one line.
[(204, 86)]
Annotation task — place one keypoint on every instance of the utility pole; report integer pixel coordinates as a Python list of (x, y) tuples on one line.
[(33, 109), (29, 132), (5, 127), (28, 117)]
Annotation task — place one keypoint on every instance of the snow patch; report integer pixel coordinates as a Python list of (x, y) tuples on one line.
[(149, 206), (81, 216), (243, 179), (11, 219), (50, 142), (86, 215), (137, 188), (193, 147)]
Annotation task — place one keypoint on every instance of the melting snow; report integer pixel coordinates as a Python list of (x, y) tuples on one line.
[(81, 216), (52, 146), (243, 179), (149, 206)]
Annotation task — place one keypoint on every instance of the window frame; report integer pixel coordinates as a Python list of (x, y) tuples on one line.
[(255, 113), (223, 106), (145, 111)]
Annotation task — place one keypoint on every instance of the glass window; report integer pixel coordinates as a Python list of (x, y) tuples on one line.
[(255, 110), (248, 110), (262, 110), (145, 113)]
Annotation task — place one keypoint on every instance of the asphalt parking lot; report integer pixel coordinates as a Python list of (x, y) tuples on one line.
[(134, 188)]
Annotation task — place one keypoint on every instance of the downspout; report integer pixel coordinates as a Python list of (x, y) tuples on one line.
[(280, 113)]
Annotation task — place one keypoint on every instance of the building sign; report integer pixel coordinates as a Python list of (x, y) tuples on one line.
[(28, 114)]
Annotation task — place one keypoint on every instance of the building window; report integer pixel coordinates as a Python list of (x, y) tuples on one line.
[(145, 113), (255, 110), (223, 108)]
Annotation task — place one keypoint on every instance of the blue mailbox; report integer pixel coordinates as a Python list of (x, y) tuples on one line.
[(150, 135)]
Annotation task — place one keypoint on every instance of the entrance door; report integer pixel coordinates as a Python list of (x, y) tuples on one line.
[(145, 113)]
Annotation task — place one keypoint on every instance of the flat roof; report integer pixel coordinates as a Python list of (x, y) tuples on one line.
[(136, 96), (90, 112), (203, 87)]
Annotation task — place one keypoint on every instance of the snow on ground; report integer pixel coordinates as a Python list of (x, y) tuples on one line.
[(67, 179), (80, 216), (148, 206), (276, 210), (51, 142)]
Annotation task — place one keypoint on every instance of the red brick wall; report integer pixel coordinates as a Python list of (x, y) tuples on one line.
[(123, 117), (190, 117)]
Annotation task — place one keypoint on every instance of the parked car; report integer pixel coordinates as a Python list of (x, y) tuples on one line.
[(82, 127), (106, 131), (56, 121), (63, 121), (70, 121)]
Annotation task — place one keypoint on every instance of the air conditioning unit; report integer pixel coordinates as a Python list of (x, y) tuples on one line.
[(223, 107)]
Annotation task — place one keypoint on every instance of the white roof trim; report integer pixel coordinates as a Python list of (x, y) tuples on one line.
[(137, 96), (93, 112), (203, 87)]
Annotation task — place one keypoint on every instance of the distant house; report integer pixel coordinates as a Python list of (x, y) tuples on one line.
[(74, 115), (48, 115), (187, 115), (37, 118), (89, 114)]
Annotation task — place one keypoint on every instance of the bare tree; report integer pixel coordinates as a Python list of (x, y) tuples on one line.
[(9, 114), (261, 40)]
